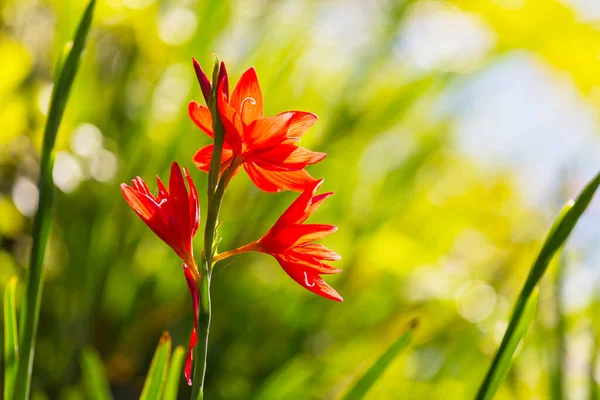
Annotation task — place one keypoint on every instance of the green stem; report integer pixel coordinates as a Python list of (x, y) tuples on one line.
[(66, 71), (204, 330), (216, 190), (204, 285)]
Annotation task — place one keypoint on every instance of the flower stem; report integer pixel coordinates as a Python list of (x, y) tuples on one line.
[(216, 190), (204, 329), (243, 249)]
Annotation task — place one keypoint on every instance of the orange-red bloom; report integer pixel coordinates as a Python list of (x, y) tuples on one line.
[(265, 146), (191, 282), (173, 215), (290, 241)]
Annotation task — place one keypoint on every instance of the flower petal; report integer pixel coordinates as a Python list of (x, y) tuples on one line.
[(310, 281), (300, 123), (286, 157), (276, 181), (150, 212), (246, 97), (231, 122), (316, 250), (268, 131), (281, 238), (258, 177), (193, 203), (295, 213), (201, 117), (202, 80), (308, 263), (180, 205), (203, 157)]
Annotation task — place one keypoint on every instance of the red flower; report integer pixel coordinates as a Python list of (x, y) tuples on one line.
[(290, 241), (265, 146), (190, 279), (173, 215)]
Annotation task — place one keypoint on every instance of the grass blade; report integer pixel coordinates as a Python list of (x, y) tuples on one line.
[(11, 339), (560, 231), (364, 383), (157, 376), (94, 376), (41, 223), (175, 373)]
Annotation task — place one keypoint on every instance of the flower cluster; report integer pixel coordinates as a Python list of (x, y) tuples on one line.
[(267, 148)]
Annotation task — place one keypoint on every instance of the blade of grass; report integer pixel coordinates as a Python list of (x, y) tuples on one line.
[(157, 375), (94, 375), (560, 231), (364, 383), (175, 374), (558, 360), (11, 340), (41, 223)]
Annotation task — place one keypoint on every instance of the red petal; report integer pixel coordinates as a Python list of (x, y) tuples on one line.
[(202, 80), (223, 80), (191, 282), (310, 281), (149, 211), (193, 202), (317, 251), (308, 263), (268, 131), (286, 157), (281, 238), (296, 212), (275, 181), (231, 122), (201, 117), (258, 177), (203, 157), (300, 123), (246, 97), (180, 204)]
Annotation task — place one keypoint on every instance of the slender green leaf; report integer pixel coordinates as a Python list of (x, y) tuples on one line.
[(175, 374), (11, 341), (364, 383), (157, 376), (41, 223), (94, 375), (560, 231), (505, 357)]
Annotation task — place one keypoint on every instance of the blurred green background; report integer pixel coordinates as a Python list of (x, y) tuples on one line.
[(454, 131)]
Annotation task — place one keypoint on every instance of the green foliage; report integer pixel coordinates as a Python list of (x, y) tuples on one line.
[(503, 359), (11, 339), (175, 373), (42, 221), (372, 375), (525, 307), (156, 379), (94, 375), (420, 222)]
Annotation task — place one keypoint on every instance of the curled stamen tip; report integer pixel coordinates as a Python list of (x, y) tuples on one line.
[(251, 99), (306, 280)]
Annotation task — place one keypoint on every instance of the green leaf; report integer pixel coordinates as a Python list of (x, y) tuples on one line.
[(505, 357), (41, 223), (175, 373), (559, 232), (157, 376), (11, 341), (94, 375), (362, 386)]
